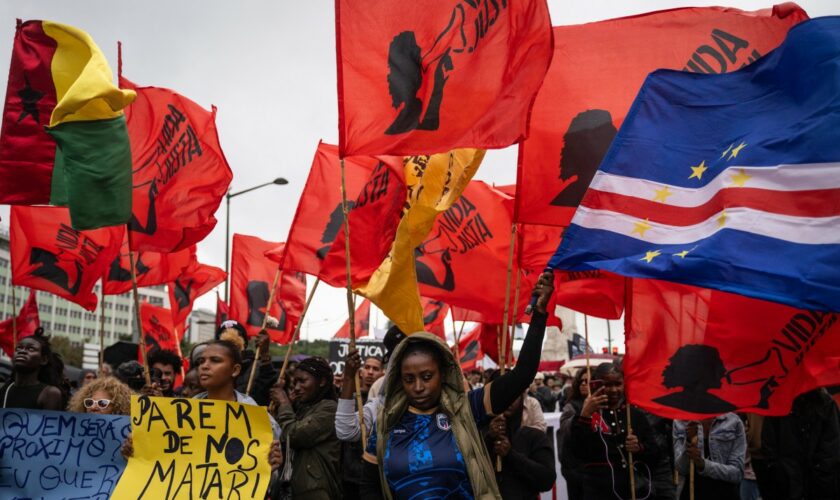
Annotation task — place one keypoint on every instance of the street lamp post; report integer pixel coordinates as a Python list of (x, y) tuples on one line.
[(278, 181)]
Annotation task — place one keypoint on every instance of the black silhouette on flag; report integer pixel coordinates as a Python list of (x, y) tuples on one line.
[(50, 271)]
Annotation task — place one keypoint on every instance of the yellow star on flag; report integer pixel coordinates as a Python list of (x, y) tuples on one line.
[(662, 195), (722, 219), (682, 254), (727, 150), (737, 150), (697, 171), (740, 178), (650, 255), (640, 227)]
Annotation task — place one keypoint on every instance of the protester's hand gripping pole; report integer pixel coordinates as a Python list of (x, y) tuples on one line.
[(132, 260), (351, 309), (264, 323), (295, 337)]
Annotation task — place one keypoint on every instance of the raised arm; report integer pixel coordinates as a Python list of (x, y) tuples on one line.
[(504, 390)]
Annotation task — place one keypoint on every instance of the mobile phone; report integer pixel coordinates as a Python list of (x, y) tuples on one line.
[(595, 385)]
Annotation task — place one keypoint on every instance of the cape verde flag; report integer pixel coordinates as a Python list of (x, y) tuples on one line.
[(726, 181)]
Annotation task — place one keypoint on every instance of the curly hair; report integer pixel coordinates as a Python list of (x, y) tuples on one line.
[(165, 357), (119, 392)]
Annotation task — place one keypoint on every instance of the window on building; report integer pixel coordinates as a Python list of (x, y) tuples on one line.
[(45, 308), (4, 262), (156, 301), (2, 280)]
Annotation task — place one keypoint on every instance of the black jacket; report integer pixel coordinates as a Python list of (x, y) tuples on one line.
[(802, 451), (528, 468), (265, 377)]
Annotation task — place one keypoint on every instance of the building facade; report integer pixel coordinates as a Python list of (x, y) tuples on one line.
[(62, 318)]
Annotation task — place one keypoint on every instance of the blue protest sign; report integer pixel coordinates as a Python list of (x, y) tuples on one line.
[(59, 455)]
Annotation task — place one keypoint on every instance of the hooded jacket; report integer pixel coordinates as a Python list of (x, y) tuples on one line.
[(454, 403)]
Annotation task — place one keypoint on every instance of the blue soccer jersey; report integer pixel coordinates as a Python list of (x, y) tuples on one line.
[(422, 460)]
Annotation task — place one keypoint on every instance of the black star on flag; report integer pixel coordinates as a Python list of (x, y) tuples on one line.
[(29, 97)]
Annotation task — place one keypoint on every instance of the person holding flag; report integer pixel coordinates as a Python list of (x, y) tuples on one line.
[(426, 439)]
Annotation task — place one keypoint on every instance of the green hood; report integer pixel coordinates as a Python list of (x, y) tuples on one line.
[(453, 402)]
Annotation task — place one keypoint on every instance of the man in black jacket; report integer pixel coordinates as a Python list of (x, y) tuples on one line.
[(802, 451)]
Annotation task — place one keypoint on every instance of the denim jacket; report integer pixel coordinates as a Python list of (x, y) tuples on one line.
[(727, 447)]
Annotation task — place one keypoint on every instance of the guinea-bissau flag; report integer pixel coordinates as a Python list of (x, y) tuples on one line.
[(151, 268), (180, 172), (694, 352), (48, 254), (251, 277), (432, 76), (193, 282), (158, 330), (597, 70), (64, 139), (24, 324), (375, 198)]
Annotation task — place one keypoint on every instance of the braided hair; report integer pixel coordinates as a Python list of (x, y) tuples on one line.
[(319, 368)]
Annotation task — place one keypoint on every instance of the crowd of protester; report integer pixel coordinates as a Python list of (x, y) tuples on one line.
[(432, 431)]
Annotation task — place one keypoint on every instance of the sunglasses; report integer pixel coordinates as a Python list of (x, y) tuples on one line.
[(99, 403)]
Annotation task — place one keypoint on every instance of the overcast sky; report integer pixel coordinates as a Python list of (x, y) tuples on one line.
[(270, 68)]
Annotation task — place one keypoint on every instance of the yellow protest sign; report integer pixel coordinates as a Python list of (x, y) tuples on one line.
[(196, 448)]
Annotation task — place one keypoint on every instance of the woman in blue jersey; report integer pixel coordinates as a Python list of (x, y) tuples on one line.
[(425, 443)]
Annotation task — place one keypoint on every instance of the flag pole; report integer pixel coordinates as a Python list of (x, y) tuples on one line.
[(101, 326), (630, 455), (504, 331), (586, 347), (14, 319), (691, 480), (515, 305), (351, 311), (137, 314), (456, 337), (265, 322), (295, 337)]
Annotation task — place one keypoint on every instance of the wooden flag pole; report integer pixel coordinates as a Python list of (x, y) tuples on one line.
[(137, 316), (265, 322), (295, 337), (630, 456), (515, 305), (14, 319), (691, 480), (504, 331), (102, 327), (351, 310), (455, 337)]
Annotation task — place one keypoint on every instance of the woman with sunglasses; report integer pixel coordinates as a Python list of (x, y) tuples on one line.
[(37, 376), (106, 396)]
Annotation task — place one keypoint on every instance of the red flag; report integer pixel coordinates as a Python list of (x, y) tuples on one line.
[(434, 316), (151, 268), (26, 323), (469, 349), (362, 320), (489, 337), (596, 71), (158, 331), (48, 254), (464, 260), (428, 77), (222, 313), (196, 280), (375, 193), (694, 352), (252, 275), (180, 172), (461, 314)]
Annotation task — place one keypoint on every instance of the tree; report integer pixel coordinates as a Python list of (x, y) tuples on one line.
[(308, 348), (70, 354)]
